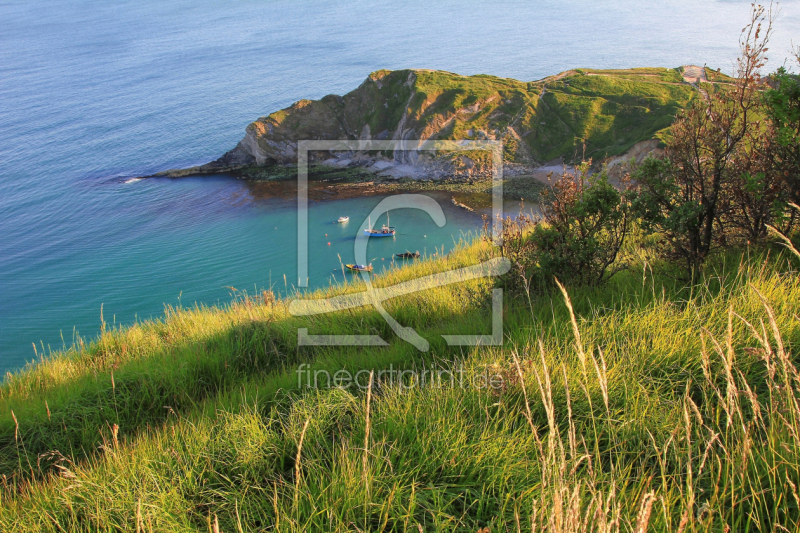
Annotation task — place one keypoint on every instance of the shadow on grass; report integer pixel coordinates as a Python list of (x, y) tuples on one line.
[(255, 354), (74, 419)]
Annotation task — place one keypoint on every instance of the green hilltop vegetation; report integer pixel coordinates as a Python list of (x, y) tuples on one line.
[(579, 113), (542, 120)]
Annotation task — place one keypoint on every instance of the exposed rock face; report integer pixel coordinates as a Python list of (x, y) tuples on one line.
[(617, 165), (239, 157), (592, 114)]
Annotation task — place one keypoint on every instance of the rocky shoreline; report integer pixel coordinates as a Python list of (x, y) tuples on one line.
[(327, 182)]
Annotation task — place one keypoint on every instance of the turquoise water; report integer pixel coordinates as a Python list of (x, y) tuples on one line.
[(92, 93)]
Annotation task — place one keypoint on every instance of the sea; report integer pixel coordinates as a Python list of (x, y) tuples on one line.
[(96, 93)]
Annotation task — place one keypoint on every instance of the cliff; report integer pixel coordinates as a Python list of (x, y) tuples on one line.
[(598, 114)]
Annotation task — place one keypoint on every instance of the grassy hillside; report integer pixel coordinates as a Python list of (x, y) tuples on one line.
[(654, 404), (608, 111)]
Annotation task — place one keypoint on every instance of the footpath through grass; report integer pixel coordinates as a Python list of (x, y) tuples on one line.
[(642, 405)]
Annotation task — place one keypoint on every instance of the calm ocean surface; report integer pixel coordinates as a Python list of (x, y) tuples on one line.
[(92, 93)]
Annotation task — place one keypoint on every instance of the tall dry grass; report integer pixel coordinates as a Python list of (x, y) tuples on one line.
[(640, 410)]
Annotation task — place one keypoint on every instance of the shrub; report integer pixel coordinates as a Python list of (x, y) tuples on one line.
[(583, 226), (585, 221), (783, 109), (731, 165), (684, 195), (757, 195)]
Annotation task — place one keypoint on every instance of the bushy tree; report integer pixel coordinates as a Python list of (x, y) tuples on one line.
[(516, 246), (681, 196), (783, 109), (731, 171), (578, 237), (585, 221), (767, 164), (756, 195)]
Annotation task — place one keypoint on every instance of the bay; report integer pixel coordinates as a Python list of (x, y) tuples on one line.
[(94, 93)]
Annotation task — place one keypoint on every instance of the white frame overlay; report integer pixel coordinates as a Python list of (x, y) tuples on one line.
[(374, 296)]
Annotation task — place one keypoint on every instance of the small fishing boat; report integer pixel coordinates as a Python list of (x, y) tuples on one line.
[(360, 268), (385, 231), (343, 219), (408, 255)]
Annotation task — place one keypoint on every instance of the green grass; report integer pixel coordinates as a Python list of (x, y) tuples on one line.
[(651, 74), (608, 110), (657, 404)]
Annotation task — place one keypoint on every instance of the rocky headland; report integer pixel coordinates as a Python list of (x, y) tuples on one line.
[(610, 116)]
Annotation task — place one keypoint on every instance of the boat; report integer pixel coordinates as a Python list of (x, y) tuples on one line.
[(343, 219), (385, 231), (408, 255), (360, 268)]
